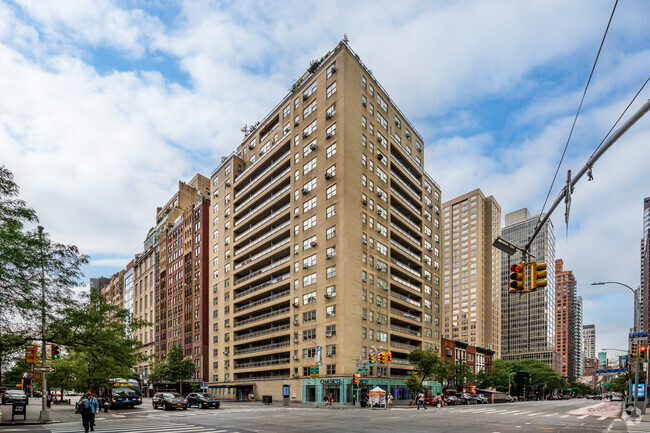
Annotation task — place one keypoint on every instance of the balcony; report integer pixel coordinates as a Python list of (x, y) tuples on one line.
[(262, 270), (400, 361), (406, 267), (406, 299), (405, 330), (263, 252), (265, 171), (405, 282), (262, 189), (262, 222), (406, 218), (404, 314), (405, 184), (254, 377), (405, 250), (263, 348), (263, 316), (255, 241), (406, 200), (405, 168), (261, 205), (262, 332), (404, 346), (266, 363), (403, 233), (263, 301), (262, 286)]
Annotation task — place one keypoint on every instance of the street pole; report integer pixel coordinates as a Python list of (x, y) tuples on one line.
[(45, 414), (636, 389)]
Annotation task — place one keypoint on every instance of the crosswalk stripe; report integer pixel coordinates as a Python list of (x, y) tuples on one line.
[(583, 416), (551, 414), (602, 418)]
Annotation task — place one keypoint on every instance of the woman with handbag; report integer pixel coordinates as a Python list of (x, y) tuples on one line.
[(88, 406)]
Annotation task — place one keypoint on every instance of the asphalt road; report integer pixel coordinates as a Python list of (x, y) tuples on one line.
[(577, 415)]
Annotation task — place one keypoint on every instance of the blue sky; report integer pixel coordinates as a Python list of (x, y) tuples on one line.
[(107, 104)]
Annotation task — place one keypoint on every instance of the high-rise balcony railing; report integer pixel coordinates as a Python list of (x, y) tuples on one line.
[(405, 282), (262, 222), (265, 171), (263, 285), (405, 184), (406, 267), (262, 189), (263, 348), (259, 239), (401, 313), (404, 346), (263, 301), (406, 200), (262, 270), (405, 250), (406, 299), (263, 316), (264, 363), (405, 330), (408, 220), (406, 234), (266, 331), (273, 247), (261, 205), (406, 169)]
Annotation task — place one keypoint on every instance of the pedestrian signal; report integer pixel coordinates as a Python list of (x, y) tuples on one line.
[(537, 275), (517, 275)]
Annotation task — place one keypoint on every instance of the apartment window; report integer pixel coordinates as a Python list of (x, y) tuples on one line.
[(364, 121), (364, 159), (330, 151), (382, 336), (330, 331), (330, 291), (382, 249), (364, 333), (330, 232), (309, 148), (363, 82), (309, 298), (286, 111), (382, 121), (331, 369), (309, 223), (309, 261), (309, 129), (331, 252), (308, 280), (309, 205), (310, 185), (330, 192), (330, 311), (331, 131), (331, 89), (309, 109), (371, 109), (371, 90), (309, 91), (309, 316), (309, 167), (331, 111), (331, 170), (331, 271), (307, 243), (331, 211), (364, 101), (330, 349)]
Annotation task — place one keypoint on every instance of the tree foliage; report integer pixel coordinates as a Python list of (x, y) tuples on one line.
[(26, 258), (531, 375), (175, 368), (619, 384)]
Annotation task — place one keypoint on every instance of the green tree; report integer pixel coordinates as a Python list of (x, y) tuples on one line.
[(175, 368), (24, 254), (98, 339), (428, 365), (619, 384)]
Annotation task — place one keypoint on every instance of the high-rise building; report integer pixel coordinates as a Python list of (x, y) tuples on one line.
[(528, 320), (602, 359), (472, 270), (589, 341), (128, 288), (99, 283), (642, 312), (577, 337), (114, 290), (565, 320), (182, 274), (324, 240)]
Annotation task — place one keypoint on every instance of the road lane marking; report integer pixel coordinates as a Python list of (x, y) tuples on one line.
[(551, 414), (583, 416), (602, 418)]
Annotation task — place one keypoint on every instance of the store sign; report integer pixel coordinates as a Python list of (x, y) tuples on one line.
[(328, 381)]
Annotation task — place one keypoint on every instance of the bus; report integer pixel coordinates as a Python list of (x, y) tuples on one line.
[(123, 393)]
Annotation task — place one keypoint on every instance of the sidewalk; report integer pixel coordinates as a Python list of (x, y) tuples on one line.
[(58, 413)]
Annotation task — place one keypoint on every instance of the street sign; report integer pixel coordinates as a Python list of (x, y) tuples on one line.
[(318, 358), (45, 369), (638, 334), (611, 370), (646, 360), (367, 364), (313, 371), (362, 370)]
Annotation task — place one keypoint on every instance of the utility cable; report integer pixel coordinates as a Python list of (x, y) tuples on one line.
[(602, 42)]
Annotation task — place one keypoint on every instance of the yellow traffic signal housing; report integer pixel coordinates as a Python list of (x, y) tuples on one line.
[(355, 378), (635, 349), (517, 276), (31, 356), (389, 357), (537, 275), (371, 358)]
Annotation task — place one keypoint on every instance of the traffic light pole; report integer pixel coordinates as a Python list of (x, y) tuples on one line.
[(590, 163), (45, 414), (636, 389)]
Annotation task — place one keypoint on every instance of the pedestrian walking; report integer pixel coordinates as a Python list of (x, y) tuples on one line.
[(441, 400), (421, 401), (390, 401), (88, 406)]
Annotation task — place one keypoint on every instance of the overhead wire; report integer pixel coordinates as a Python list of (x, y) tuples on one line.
[(593, 68)]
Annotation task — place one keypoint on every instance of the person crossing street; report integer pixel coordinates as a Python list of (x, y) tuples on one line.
[(88, 406)]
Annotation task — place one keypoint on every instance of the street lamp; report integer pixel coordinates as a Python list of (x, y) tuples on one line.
[(635, 413)]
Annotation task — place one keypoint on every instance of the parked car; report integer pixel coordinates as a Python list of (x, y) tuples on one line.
[(202, 400), (509, 398), (481, 399), (452, 400), (14, 394), (168, 400), (468, 399)]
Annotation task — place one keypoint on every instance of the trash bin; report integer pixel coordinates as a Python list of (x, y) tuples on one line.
[(19, 408), (267, 399)]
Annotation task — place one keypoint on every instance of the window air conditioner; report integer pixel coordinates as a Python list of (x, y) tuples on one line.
[(380, 156), (305, 134), (364, 103), (329, 354), (295, 340), (296, 123), (364, 317), (333, 69), (296, 358), (296, 322), (305, 191), (328, 176), (313, 243), (312, 146), (329, 135), (329, 256), (329, 334), (305, 266), (328, 115), (305, 96), (251, 146)]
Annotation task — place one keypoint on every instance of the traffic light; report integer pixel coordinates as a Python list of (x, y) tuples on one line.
[(635, 349), (642, 352), (382, 358), (31, 356), (517, 276), (389, 356), (355, 378), (537, 275), (371, 358), (56, 352)]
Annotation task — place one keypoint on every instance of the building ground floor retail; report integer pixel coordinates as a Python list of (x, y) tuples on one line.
[(315, 390)]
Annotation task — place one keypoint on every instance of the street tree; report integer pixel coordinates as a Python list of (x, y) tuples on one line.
[(175, 368), (26, 256), (619, 384), (428, 365)]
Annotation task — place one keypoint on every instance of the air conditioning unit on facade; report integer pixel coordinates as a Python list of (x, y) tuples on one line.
[(295, 340), (294, 375), (329, 256), (251, 146), (329, 135), (364, 103), (364, 201), (305, 134), (296, 322), (329, 334), (305, 191), (305, 266), (363, 241), (296, 358), (333, 69), (380, 156), (228, 182), (296, 123), (261, 152), (328, 115), (296, 303), (328, 176), (328, 296), (305, 96), (312, 146), (329, 354), (364, 317), (313, 243)]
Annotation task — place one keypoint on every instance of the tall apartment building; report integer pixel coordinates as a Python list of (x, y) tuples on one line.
[(589, 341), (128, 287), (324, 232), (472, 270), (642, 312), (565, 320), (578, 354), (528, 321), (114, 290), (182, 270), (99, 283)]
